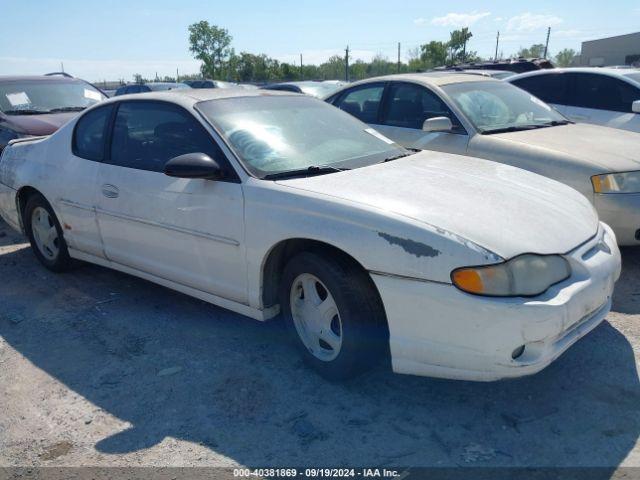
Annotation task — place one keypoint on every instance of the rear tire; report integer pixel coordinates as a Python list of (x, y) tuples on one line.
[(45, 234), (333, 314)]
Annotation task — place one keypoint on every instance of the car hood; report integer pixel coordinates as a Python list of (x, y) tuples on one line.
[(39, 124), (506, 210), (607, 149)]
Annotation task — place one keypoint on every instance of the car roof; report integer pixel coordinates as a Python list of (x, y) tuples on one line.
[(431, 78), (39, 78), (191, 96)]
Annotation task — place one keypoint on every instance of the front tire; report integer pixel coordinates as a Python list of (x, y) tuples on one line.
[(333, 313), (45, 234)]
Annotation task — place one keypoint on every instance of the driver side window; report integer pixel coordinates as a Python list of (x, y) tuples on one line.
[(146, 135), (409, 105)]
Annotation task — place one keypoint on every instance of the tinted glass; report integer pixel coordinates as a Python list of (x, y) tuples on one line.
[(273, 134), (148, 134), (41, 96), (499, 105), (410, 105), (363, 103), (552, 87), (603, 93), (89, 134)]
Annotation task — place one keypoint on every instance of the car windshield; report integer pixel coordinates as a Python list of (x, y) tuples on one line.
[(167, 86), (494, 107), (320, 90), (277, 134), (40, 96)]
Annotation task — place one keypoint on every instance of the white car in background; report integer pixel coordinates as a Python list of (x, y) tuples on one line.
[(262, 202), (492, 119), (602, 96)]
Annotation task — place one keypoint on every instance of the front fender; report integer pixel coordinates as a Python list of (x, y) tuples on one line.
[(382, 242)]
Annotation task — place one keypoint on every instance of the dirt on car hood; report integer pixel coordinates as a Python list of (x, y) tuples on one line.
[(610, 149), (39, 124), (506, 210)]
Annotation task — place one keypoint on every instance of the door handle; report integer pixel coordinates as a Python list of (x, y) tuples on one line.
[(110, 191)]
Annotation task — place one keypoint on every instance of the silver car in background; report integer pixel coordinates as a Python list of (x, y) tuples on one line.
[(602, 96)]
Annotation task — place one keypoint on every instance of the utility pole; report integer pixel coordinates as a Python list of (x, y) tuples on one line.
[(495, 57), (177, 75), (346, 64), (398, 57), (546, 45), (62, 67), (301, 69)]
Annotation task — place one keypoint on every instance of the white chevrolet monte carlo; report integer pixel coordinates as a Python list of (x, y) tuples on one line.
[(262, 202)]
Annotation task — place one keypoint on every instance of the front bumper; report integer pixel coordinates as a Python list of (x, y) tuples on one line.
[(621, 211), (437, 330)]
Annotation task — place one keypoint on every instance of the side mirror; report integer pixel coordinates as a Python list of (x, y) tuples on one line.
[(635, 106), (437, 124), (193, 165)]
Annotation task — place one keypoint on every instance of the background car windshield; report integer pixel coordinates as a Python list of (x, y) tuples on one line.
[(497, 105), (43, 97), (319, 90), (273, 134)]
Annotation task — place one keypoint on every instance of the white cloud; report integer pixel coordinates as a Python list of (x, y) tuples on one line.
[(456, 19), (420, 21), (528, 22)]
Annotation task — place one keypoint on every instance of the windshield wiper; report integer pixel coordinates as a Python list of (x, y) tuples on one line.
[(25, 112), (312, 170), (532, 126), (400, 155), (555, 123), (66, 109), (512, 128)]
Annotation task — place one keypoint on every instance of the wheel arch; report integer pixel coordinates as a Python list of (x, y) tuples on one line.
[(278, 255), (22, 197)]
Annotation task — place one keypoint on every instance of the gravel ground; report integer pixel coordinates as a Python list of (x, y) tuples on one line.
[(98, 368)]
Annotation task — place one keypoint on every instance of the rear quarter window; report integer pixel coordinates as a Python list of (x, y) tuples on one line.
[(90, 133)]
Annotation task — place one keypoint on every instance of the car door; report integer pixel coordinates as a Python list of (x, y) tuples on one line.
[(77, 204), (188, 231), (552, 88), (405, 108), (603, 100)]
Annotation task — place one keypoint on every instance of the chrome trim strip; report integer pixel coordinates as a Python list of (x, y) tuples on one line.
[(196, 233), (405, 277)]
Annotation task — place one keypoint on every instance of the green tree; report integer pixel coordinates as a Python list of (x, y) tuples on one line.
[(565, 57), (434, 54), (209, 44), (534, 51), (457, 44)]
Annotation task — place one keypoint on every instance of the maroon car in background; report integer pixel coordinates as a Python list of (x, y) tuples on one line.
[(39, 105)]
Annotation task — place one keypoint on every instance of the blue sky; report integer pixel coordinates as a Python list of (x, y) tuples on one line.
[(111, 40)]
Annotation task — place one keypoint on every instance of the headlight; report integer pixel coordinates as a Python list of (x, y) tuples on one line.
[(523, 276), (624, 182)]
